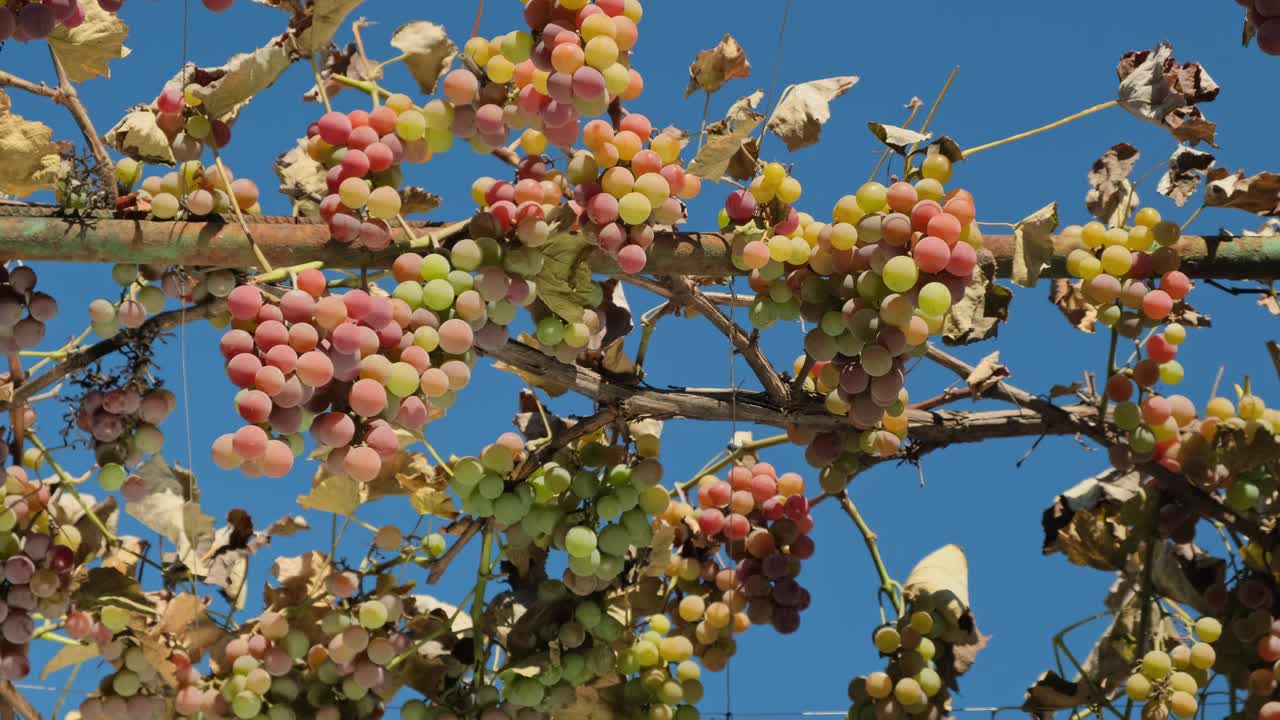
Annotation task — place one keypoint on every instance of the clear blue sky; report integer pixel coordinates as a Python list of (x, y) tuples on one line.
[(1022, 64)]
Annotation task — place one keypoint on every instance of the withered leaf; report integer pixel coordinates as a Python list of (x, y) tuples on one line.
[(1083, 522), (417, 201), (427, 50), (31, 160), (224, 90), (715, 67), (984, 306), (87, 49), (1187, 167), (342, 61), (138, 136), (1109, 198), (897, 138), (1070, 300), (102, 585), (1154, 87), (301, 176), (723, 142), (299, 577), (1258, 194), (945, 570), (801, 113), (986, 374), (1052, 692), (1033, 244)]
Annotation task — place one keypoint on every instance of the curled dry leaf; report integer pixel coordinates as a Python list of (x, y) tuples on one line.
[(1258, 194), (31, 159), (725, 143), (138, 136), (945, 570), (712, 68), (1070, 300), (1156, 88), (342, 61), (1187, 167), (166, 509), (984, 306), (428, 52), (417, 201), (1083, 522), (301, 176), (224, 90), (801, 113), (298, 577), (1033, 244), (897, 139), (986, 375), (315, 22), (86, 50), (1110, 195)]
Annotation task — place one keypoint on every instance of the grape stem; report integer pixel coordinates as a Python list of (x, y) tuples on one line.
[(716, 466), (477, 602), (69, 484), (1043, 128), (356, 27), (888, 586), (281, 273), (929, 118), (1111, 370), (324, 94), (361, 85), (235, 205)]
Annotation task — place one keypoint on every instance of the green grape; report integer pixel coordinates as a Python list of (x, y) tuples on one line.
[(373, 614), (1183, 704), (585, 485), (434, 267), (900, 273), (114, 618), (1156, 665), (872, 197), (619, 475), (609, 507), (508, 509), (550, 331), (467, 472), (410, 292), (438, 294), (1242, 495), (585, 565), (887, 640), (414, 710), (1137, 687), (1128, 416), (497, 458), (491, 487), (1184, 682), (558, 479), (580, 542), (1208, 629), (434, 544), (126, 683), (403, 380), (1202, 654), (614, 539), (654, 500), (929, 681), (1171, 374), (935, 298), (111, 477), (246, 705)]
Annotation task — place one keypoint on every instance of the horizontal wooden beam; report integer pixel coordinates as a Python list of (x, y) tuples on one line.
[(46, 234)]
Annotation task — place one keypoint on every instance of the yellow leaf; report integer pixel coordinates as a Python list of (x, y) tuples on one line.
[(944, 570), (337, 494), (801, 113), (138, 136), (86, 49), (66, 657), (31, 160), (427, 50)]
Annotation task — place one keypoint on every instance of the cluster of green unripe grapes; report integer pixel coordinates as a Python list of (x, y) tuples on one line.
[(912, 683), (592, 501), (147, 289), (1169, 681), (134, 687)]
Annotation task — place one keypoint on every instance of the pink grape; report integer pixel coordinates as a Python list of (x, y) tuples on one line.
[(249, 442), (270, 334), (333, 429), (456, 336), (362, 463), (963, 259), (335, 128), (314, 368), (277, 459), (283, 357), (217, 6), (711, 521), (740, 206), (243, 368), (224, 454), (931, 254), (1157, 304), (254, 406), (632, 259), (244, 302), (367, 398)]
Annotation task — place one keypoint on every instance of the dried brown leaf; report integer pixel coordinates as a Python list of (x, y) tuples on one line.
[(86, 50), (1154, 87), (724, 141), (715, 67), (984, 306), (428, 52), (1033, 244), (1109, 188), (1070, 300), (30, 157), (987, 374), (897, 139), (138, 136), (301, 176), (800, 115), (1258, 194), (1187, 167)]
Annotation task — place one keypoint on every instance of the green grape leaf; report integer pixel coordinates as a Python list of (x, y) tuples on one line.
[(31, 160), (1033, 244), (725, 140), (714, 67), (1258, 194), (428, 52), (138, 136), (984, 306), (1111, 198), (805, 108), (1187, 167), (86, 50), (564, 283), (897, 139)]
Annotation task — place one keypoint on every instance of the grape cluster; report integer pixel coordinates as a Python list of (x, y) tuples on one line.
[(39, 557), (133, 687), (762, 520), (1131, 277), (197, 189), (1168, 681), (285, 669), (623, 188), (124, 422), (349, 367), (25, 20), (23, 310), (1264, 15), (362, 152), (593, 502), (146, 290), (571, 64), (667, 681), (876, 282)]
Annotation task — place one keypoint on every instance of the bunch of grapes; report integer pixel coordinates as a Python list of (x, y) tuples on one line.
[(25, 20), (571, 64), (876, 282), (124, 422), (146, 290), (706, 603), (522, 206), (1265, 16), (1168, 681), (667, 682), (192, 187), (762, 520), (627, 182), (23, 310), (350, 367), (134, 687), (363, 152), (285, 669), (911, 683), (182, 119), (1131, 276), (39, 556), (593, 502)]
